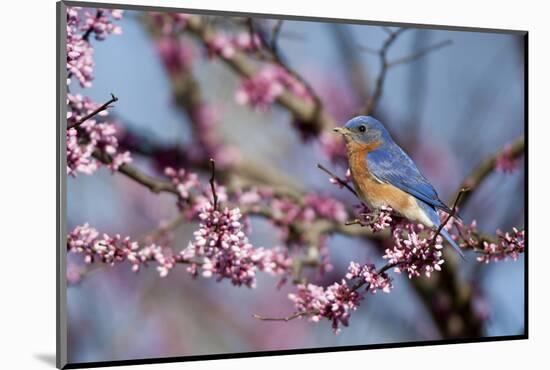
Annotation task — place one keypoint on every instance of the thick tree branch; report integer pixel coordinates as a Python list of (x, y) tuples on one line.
[(303, 110), (155, 185)]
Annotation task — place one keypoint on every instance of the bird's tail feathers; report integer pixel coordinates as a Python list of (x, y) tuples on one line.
[(455, 246)]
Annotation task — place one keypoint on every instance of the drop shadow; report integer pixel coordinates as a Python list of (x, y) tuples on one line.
[(47, 358)]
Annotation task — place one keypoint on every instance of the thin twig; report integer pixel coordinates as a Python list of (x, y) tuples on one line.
[(338, 179), (419, 54), (100, 109), (286, 318), (384, 66), (295, 315), (383, 269), (451, 214), (212, 180), (275, 37)]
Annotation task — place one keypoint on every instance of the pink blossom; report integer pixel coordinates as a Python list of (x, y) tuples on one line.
[(170, 23), (91, 135), (183, 181), (220, 44), (112, 250), (326, 207), (246, 42), (505, 161), (261, 90), (99, 23), (370, 276), (376, 221), (224, 251), (335, 302), (509, 245), (120, 159), (412, 253), (175, 53), (79, 156), (81, 24)]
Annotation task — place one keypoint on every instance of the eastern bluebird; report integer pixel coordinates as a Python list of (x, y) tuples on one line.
[(384, 175)]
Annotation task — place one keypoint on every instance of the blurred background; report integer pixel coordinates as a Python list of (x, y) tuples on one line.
[(449, 109)]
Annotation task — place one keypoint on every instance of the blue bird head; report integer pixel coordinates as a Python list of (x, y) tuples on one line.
[(364, 129)]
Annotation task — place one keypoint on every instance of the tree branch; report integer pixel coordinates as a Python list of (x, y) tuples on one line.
[(384, 66), (100, 109), (451, 214), (420, 54), (212, 185), (156, 186), (303, 110), (486, 167), (286, 318), (338, 179)]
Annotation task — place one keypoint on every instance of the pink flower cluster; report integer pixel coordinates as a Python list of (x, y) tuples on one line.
[(287, 212), (224, 45), (370, 276), (509, 245), (336, 301), (224, 251), (376, 221), (412, 253), (81, 24), (90, 135), (183, 180), (176, 54), (170, 23), (207, 145), (99, 23), (261, 90), (505, 161), (111, 250)]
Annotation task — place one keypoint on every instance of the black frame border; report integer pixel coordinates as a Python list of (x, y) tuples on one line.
[(61, 299)]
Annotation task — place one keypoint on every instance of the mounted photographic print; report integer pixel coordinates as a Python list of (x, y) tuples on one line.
[(236, 184)]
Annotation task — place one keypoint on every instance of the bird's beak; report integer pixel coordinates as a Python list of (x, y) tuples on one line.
[(341, 130)]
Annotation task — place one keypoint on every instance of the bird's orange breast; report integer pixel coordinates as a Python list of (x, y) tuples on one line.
[(375, 193)]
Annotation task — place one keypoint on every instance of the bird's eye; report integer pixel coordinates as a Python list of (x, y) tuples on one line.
[(362, 128)]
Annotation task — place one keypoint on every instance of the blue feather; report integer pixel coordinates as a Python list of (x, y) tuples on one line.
[(452, 243), (390, 164)]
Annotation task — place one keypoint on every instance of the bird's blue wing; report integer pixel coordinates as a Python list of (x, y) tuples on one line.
[(390, 164)]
